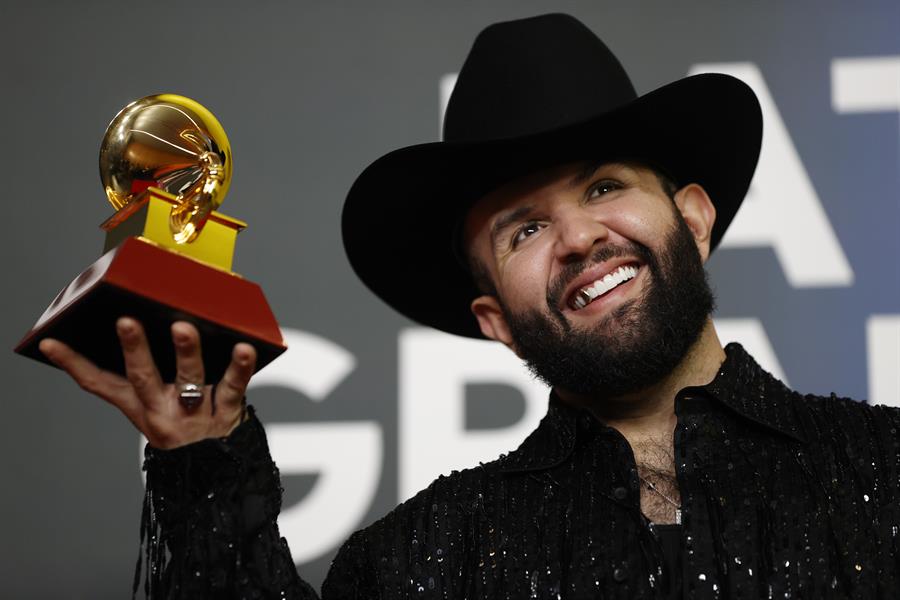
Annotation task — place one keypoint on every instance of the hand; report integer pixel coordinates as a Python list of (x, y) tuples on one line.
[(152, 406)]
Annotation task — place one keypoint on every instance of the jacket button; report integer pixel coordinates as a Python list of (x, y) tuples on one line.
[(620, 574), (620, 493)]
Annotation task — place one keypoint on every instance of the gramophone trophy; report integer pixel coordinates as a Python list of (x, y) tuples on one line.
[(165, 164)]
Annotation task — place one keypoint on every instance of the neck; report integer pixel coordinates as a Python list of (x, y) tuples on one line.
[(650, 413)]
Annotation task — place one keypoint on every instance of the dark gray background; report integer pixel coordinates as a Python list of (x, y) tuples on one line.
[(309, 94)]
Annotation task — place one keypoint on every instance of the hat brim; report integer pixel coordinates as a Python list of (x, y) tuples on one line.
[(402, 212)]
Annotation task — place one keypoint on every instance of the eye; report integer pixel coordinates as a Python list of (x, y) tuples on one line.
[(604, 186), (525, 231)]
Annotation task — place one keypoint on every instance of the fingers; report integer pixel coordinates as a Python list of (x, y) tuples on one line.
[(237, 376), (139, 366), (158, 410), (109, 386), (188, 355), (85, 373)]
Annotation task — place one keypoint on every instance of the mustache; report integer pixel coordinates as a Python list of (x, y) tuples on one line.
[(574, 269)]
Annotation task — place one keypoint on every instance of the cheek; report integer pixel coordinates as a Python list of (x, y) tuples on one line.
[(642, 226), (524, 278)]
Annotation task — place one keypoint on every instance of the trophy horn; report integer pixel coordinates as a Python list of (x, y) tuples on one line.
[(172, 143)]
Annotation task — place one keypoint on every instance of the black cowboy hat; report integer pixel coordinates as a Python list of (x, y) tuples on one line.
[(533, 93)]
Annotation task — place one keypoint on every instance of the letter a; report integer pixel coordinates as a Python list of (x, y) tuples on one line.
[(782, 209)]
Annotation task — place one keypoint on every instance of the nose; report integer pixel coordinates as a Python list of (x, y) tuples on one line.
[(578, 231)]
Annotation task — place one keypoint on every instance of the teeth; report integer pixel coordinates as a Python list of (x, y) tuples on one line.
[(601, 286), (582, 299)]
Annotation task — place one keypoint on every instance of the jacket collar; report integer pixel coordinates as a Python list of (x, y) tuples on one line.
[(740, 384), (755, 394), (548, 445)]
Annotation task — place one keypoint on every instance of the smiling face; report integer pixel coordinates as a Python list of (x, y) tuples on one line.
[(598, 274)]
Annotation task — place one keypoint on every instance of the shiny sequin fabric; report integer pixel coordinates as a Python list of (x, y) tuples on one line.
[(783, 496)]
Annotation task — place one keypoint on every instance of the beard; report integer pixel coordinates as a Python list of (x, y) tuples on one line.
[(639, 342)]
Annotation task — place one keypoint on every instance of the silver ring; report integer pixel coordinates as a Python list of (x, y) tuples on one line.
[(190, 395)]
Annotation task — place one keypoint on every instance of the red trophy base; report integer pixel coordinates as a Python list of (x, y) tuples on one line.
[(157, 287)]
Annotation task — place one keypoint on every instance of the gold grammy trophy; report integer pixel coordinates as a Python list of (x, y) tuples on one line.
[(165, 164)]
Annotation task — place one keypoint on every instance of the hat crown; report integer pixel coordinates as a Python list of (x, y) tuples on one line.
[(534, 75)]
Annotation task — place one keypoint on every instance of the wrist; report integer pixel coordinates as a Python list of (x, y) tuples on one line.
[(239, 419)]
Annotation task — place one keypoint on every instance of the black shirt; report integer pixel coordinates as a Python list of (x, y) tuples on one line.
[(672, 547), (783, 496)]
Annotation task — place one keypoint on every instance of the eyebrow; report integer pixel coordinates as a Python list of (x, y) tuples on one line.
[(579, 179), (509, 219), (586, 172)]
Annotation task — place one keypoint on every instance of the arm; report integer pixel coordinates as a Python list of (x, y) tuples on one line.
[(213, 492), (213, 505)]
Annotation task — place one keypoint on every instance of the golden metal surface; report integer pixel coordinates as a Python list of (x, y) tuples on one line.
[(172, 143), (147, 218)]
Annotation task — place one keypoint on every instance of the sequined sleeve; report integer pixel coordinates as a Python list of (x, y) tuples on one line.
[(213, 506), (884, 425), (351, 576), (887, 432)]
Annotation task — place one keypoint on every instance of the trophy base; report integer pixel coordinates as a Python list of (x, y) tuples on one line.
[(157, 287)]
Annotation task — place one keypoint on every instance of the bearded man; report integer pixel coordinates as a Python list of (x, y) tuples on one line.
[(572, 218)]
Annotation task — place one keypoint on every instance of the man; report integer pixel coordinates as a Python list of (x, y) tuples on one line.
[(572, 218)]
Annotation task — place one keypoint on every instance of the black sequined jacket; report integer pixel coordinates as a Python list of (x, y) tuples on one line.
[(784, 496)]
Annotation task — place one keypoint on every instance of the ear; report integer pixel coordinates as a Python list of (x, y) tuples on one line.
[(491, 320), (699, 214)]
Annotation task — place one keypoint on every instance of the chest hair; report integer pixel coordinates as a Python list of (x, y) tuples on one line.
[(655, 460)]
